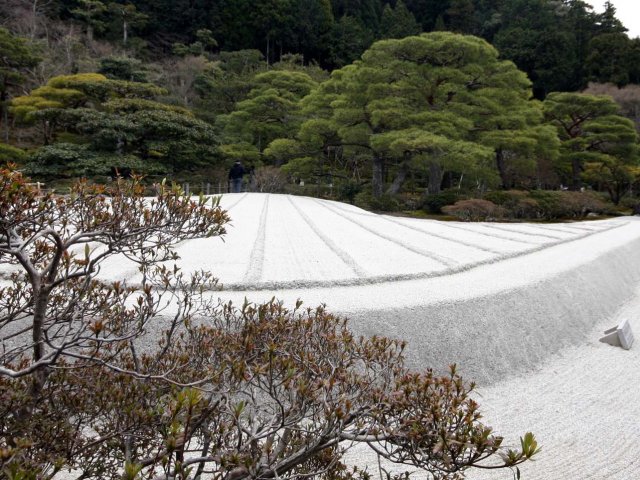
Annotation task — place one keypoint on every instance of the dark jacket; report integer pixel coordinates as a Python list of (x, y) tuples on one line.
[(237, 171)]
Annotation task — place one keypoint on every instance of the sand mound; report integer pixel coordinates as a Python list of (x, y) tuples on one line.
[(519, 307)]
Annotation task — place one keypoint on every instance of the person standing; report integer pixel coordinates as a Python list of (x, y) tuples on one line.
[(235, 177)]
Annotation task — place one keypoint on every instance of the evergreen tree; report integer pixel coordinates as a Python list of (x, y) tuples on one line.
[(15, 57), (107, 124), (270, 111), (92, 14), (349, 39), (592, 132), (427, 11), (398, 22), (228, 82), (612, 59), (460, 16), (423, 103), (607, 22)]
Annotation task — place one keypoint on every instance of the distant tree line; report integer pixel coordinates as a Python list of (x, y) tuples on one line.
[(560, 44), (395, 111)]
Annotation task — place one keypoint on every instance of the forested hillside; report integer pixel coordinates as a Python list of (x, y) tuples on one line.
[(336, 93), (561, 45)]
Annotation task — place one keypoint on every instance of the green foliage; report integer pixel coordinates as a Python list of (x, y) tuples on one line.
[(562, 204), (347, 191), (434, 202), (516, 203), (130, 105), (549, 40), (428, 103), (73, 91), (98, 87), (123, 68), (117, 123), (91, 13), (64, 160), (408, 136), (613, 57), (349, 39), (9, 154), (229, 81), (17, 55), (591, 132), (398, 22), (271, 110), (383, 203), (204, 43)]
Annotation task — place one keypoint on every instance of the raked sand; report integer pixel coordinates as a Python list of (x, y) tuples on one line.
[(519, 307)]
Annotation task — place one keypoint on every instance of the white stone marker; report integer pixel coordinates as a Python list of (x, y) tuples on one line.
[(620, 336)]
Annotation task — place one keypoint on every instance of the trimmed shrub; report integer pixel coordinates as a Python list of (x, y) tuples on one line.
[(434, 203), (564, 204), (517, 203), (475, 210), (386, 203), (348, 191)]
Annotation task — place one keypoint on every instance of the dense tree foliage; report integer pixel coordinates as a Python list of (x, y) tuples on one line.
[(270, 111), (594, 137), (222, 83), (92, 125), (433, 103), (16, 56), (551, 40)]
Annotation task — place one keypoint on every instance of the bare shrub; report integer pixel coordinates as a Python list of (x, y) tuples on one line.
[(269, 180)]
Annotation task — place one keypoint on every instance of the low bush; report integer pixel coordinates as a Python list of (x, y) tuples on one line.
[(564, 204), (385, 203), (410, 200), (475, 210), (517, 203), (433, 203), (269, 180), (629, 204), (347, 191)]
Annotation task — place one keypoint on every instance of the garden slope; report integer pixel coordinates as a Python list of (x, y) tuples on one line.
[(519, 307), (495, 298)]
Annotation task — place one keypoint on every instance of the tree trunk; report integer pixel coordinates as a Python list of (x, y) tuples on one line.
[(576, 170), (34, 25), (39, 315), (376, 178), (502, 169), (4, 118), (435, 177), (615, 193), (267, 52), (125, 33), (400, 178)]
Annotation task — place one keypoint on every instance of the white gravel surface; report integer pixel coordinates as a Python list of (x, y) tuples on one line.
[(583, 404), (519, 307)]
